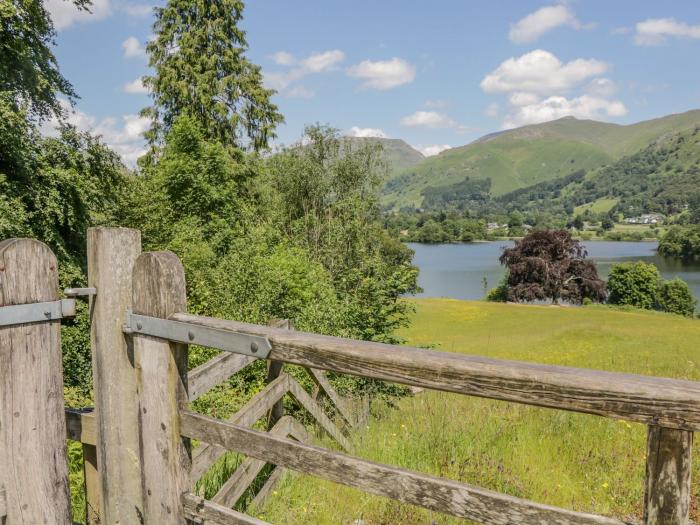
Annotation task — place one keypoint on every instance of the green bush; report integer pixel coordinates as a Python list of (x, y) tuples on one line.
[(675, 296), (640, 285), (681, 242), (633, 284), (499, 294)]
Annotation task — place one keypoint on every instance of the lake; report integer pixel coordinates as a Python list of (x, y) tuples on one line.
[(459, 270)]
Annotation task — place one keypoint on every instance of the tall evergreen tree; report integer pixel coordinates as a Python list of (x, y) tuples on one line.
[(28, 69), (200, 69)]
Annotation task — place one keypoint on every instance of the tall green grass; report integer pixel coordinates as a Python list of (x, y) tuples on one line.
[(575, 461)]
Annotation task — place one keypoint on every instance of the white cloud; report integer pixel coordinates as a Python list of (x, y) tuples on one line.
[(545, 19), (319, 62), (64, 14), (283, 58), (383, 74), (124, 135), (356, 131), (431, 149), (428, 119), (136, 87), (540, 71), (551, 108), (436, 103), (601, 87), (520, 98), (655, 31), (132, 48), (492, 110), (313, 64)]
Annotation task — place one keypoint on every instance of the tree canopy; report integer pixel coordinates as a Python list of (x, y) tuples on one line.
[(550, 264), (198, 55), (29, 73)]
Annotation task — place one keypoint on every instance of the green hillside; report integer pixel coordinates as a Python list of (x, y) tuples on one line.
[(530, 155), (659, 178), (397, 153)]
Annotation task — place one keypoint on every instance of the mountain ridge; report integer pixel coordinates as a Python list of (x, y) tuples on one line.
[(521, 157)]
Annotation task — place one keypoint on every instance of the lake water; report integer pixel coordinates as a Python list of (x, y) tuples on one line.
[(459, 270)]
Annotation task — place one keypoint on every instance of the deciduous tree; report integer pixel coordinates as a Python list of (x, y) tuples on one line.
[(28, 68), (550, 264)]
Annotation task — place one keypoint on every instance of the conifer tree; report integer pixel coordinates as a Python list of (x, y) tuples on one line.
[(198, 55)]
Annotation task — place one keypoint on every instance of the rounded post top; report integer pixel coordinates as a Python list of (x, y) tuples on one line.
[(28, 272), (159, 285)]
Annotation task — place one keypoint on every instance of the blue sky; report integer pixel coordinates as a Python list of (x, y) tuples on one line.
[(436, 74)]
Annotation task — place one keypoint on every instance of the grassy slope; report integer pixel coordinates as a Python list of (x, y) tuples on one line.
[(601, 205), (571, 460), (397, 153), (532, 154)]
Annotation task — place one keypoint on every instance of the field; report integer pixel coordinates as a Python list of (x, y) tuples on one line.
[(599, 206), (571, 460)]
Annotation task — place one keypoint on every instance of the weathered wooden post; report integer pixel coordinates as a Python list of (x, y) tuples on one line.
[(667, 491), (112, 253), (274, 369), (159, 291), (33, 464)]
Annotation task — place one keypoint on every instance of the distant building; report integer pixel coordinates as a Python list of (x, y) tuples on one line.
[(495, 226), (646, 218)]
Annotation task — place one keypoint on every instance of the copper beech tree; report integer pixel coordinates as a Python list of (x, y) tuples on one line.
[(551, 265)]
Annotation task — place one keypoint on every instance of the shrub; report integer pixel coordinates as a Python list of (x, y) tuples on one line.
[(633, 284), (675, 296), (499, 294)]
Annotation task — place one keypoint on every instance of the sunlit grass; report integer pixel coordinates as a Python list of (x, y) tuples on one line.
[(575, 461)]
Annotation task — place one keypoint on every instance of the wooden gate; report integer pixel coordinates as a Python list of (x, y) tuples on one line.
[(140, 467)]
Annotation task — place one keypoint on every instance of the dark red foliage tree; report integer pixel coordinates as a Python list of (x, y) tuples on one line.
[(550, 264)]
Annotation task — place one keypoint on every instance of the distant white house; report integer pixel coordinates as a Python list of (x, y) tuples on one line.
[(646, 218), (495, 226)]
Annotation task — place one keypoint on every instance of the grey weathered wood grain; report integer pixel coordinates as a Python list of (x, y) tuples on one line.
[(440, 495), (159, 291), (3, 506), (665, 402), (206, 512), (206, 455), (80, 426), (112, 253), (298, 432), (338, 401), (93, 494), (304, 399), (236, 485), (216, 370), (274, 369), (318, 376), (33, 464), (246, 473), (261, 497), (669, 466)]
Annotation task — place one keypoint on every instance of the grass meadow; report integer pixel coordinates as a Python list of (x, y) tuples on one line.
[(571, 460)]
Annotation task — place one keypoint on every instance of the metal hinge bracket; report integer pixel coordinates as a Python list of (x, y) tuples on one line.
[(36, 312), (179, 332)]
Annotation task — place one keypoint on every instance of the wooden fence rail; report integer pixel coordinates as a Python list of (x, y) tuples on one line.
[(670, 403), (139, 463)]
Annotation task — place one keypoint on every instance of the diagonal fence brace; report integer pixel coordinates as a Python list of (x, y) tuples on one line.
[(179, 332)]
